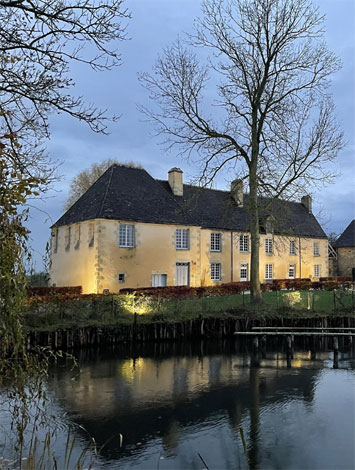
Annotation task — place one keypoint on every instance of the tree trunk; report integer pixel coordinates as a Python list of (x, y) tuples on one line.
[(255, 237)]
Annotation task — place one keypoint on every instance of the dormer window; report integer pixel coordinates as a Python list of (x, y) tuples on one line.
[(269, 227)]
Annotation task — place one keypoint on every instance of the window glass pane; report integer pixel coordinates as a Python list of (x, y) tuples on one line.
[(215, 271), (316, 270), (244, 243), (159, 280), (243, 272), (291, 271), (215, 242), (268, 246), (292, 248), (182, 239), (268, 271), (126, 235), (316, 249)]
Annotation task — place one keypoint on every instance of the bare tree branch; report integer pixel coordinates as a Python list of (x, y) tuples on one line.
[(271, 73)]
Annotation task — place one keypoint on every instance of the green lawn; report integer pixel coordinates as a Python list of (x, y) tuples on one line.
[(113, 310)]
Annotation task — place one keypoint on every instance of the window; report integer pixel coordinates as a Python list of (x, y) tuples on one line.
[(292, 247), (77, 237), (55, 240), (121, 278), (268, 246), (292, 271), (91, 235), (159, 280), (126, 236), (215, 242), (316, 270), (215, 271), (268, 271), (316, 249), (243, 272), (269, 226), (244, 243), (182, 238), (67, 238)]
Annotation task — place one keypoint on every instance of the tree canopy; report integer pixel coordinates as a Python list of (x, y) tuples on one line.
[(271, 120), (39, 41)]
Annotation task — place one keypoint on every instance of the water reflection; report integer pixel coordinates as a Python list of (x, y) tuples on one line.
[(172, 402)]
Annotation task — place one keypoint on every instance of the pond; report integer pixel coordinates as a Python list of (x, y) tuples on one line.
[(215, 405)]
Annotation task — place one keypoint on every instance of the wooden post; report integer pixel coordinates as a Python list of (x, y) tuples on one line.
[(289, 343), (335, 344), (336, 352), (263, 346)]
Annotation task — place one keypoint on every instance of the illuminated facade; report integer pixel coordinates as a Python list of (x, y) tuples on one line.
[(130, 230)]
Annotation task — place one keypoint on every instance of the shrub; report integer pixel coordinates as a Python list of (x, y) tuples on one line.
[(45, 291)]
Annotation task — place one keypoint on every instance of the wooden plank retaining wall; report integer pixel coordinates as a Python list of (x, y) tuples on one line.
[(198, 328)]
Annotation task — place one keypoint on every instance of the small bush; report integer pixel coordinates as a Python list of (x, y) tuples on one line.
[(46, 291)]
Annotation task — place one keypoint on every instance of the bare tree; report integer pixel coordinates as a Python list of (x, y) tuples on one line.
[(39, 41), (272, 120), (83, 180)]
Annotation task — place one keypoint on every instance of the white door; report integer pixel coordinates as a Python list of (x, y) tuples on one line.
[(182, 274), (243, 272)]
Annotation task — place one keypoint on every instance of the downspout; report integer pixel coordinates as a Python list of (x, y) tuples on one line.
[(232, 256), (300, 258)]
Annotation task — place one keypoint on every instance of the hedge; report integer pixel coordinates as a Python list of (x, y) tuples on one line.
[(49, 294), (50, 291), (230, 288)]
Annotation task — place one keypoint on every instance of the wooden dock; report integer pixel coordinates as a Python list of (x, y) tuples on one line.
[(290, 333)]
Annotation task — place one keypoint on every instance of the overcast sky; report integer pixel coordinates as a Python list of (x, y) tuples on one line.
[(155, 24)]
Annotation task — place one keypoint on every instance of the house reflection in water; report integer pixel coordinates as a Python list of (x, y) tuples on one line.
[(158, 396)]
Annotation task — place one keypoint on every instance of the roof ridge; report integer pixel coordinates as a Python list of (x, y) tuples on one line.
[(108, 185), (194, 186), (227, 192)]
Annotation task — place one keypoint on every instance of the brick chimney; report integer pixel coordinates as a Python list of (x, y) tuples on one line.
[(306, 201), (237, 192), (175, 181)]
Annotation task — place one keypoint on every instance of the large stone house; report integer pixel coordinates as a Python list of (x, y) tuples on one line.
[(131, 230), (345, 250)]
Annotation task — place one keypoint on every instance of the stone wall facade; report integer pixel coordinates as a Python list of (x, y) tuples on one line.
[(346, 260)]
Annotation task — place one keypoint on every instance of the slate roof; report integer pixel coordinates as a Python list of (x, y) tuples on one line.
[(347, 238), (131, 194)]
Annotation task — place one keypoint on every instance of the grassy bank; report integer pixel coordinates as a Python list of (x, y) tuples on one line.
[(119, 309)]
